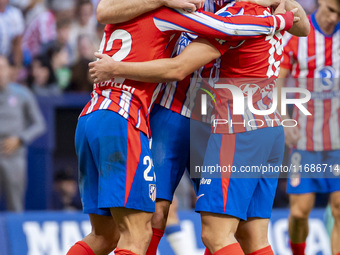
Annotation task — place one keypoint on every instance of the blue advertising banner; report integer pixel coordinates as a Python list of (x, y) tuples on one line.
[(53, 233)]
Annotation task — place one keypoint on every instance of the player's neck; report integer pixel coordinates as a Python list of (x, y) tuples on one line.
[(323, 26)]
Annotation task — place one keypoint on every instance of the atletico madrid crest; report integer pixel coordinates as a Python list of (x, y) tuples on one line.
[(152, 192)]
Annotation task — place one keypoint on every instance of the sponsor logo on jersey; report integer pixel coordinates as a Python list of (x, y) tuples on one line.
[(327, 75)]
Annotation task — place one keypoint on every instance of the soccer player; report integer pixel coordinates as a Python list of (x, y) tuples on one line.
[(218, 228), (315, 64), (116, 171), (170, 125)]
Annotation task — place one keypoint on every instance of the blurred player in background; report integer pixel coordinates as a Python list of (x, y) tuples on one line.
[(314, 62), (116, 170), (216, 228)]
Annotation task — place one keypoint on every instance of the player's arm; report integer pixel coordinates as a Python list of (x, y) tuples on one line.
[(301, 27), (197, 54), (237, 27), (117, 11)]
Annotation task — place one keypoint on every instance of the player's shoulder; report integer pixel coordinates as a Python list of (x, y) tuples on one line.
[(241, 8)]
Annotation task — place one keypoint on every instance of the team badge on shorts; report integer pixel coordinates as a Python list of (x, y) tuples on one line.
[(295, 180), (152, 192)]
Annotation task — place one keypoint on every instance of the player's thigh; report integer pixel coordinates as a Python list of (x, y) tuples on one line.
[(253, 231), (301, 204), (131, 221), (104, 228), (334, 200), (170, 149), (217, 227)]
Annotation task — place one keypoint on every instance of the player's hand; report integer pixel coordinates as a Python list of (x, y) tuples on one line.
[(281, 9), (102, 69), (189, 5), (10, 145), (265, 3), (292, 135)]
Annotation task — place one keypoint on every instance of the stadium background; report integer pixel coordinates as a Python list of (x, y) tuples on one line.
[(49, 228)]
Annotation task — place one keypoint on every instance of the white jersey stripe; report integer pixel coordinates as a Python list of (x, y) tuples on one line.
[(93, 102), (318, 103), (227, 28)]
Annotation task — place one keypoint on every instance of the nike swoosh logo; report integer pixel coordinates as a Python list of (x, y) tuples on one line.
[(311, 58), (199, 196)]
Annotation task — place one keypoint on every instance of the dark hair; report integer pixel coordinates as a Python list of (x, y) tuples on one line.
[(45, 62), (64, 174)]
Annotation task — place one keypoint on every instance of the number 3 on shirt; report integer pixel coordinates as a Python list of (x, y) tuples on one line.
[(126, 39)]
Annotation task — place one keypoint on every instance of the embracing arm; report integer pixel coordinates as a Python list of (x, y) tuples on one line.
[(197, 54), (301, 27), (117, 11)]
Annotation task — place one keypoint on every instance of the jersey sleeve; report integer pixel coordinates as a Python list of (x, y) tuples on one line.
[(290, 44), (206, 24)]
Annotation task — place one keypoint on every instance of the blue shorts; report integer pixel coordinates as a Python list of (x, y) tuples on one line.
[(317, 172), (171, 148), (248, 188), (115, 164)]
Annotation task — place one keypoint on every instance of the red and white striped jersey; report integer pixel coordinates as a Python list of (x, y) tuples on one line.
[(152, 36), (252, 66), (177, 95), (315, 64), (40, 31)]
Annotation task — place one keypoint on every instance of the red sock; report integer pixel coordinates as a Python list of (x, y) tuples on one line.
[(123, 252), (298, 248), (156, 238), (264, 251), (232, 249), (338, 253), (207, 252), (80, 248)]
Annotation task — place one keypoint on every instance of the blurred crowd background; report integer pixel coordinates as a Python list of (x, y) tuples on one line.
[(48, 44)]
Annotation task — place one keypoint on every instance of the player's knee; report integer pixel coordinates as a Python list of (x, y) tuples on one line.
[(336, 211), (299, 212), (215, 239), (107, 242), (160, 216)]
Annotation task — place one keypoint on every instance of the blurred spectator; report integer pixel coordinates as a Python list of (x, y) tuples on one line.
[(40, 29), (59, 58), (11, 30), (308, 5), (65, 195), (84, 24), (64, 9), (43, 81), (22, 122), (81, 80)]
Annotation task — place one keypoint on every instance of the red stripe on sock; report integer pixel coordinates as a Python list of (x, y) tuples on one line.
[(298, 248), (232, 249), (207, 252), (123, 252), (80, 248), (156, 238), (264, 251)]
